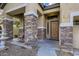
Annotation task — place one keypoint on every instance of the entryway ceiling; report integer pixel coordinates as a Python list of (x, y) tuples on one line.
[(52, 14), (17, 11)]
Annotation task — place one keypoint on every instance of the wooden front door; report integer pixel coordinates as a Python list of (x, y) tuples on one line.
[(54, 30)]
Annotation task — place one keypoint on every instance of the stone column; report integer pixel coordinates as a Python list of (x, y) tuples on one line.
[(41, 27), (30, 27), (8, 27), (66, 40), (41, 33)]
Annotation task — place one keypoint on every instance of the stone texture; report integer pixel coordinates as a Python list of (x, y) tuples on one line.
[(66, 38), (30, 29), (14, 50), (41, 33), (8, 27)]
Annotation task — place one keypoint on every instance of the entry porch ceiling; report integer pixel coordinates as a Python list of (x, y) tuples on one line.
[(53, 14), (17, 11), (51, 10)]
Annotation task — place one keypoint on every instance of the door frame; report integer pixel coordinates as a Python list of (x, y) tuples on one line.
[(57, 29), (48, 35)]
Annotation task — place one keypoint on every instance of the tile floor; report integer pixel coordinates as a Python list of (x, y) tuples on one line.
[(47, 48), (76, 52)]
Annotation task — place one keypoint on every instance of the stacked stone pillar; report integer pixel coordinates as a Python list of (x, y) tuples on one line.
[(66, 40), (8, 27), (30, 28), (41, 33)]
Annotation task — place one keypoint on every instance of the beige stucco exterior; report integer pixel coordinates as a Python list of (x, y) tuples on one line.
[(32, 7), (76, 36), (12, 7), (65, 11)]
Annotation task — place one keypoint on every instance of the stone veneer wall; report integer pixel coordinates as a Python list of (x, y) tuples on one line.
[(30, 28), (41, 33), (66, 38), (8, 27)]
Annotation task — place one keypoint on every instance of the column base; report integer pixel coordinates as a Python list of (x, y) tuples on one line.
[(66, 38)]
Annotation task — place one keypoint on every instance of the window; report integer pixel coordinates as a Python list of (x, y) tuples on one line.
[(76, 20)]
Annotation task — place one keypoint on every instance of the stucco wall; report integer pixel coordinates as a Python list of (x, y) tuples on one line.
[(15, 28), (33, 6), (76, 36), (66, 9), (41, 21)]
